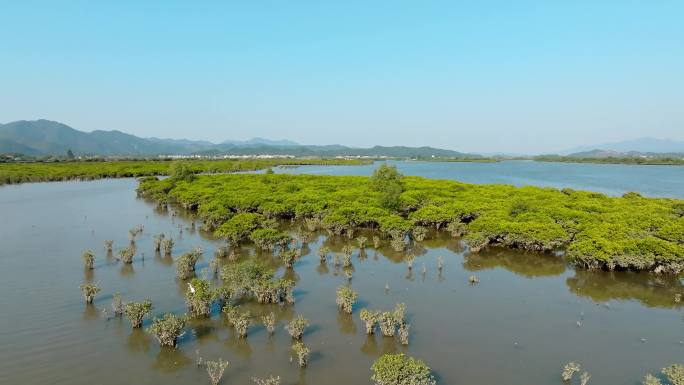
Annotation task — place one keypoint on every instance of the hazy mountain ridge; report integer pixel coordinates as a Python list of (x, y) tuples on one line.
[(45, 137), (627, 154), (635, 146)]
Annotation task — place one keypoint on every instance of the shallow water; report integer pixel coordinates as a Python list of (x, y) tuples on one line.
[(517, 326), (611, 179)]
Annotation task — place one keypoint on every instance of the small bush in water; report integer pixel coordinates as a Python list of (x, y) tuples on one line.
[(323, 253), (166, 246), (266, 381), (242, 322), (215, 370), (569, 371), (168, 329), (388, 324), (199, 297), (675, 374), (296, 326), (88, 259), (185, 264), (89, 290), (269, 321), (404, 333), (302, 353), (399, 369), (118, 304), (370, 319), (136, 312), (346, 298), (289, 257), (126, 254), (158, 242)]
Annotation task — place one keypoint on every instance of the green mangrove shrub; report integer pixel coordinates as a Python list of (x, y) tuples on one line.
[(89, 290), (323, 253), (388, 324), (418, 233), (301, 351), (268, 239), (297, 326), (199, 297), (157, 242), (231, 312), (215, 370), (168, 329), (166, 246), (289, 257), (399, 369), (569, 371), (222, 252), (347, 251), (346, 298), (266, 381), (673, 373), (118, 306), (404, 333), (108, 245), (370, 318), (137, 311), (239, 227), (126, 254), (269, 321), (185, 264), (253, 279), (241, 322), (387, 181), (88, 259)]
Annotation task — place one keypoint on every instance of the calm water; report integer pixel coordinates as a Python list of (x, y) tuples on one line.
[(612, 179), (518, 326)]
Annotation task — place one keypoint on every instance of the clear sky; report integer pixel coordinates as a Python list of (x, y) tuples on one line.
[(485, 76)]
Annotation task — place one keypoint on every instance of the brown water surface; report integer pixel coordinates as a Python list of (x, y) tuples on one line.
[(519, 325)]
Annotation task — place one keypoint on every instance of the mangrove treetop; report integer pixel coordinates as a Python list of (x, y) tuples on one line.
[(629, 232)]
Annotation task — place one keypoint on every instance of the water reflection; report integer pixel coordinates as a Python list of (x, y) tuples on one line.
[(322, 268), (170, 360), (88, 275), (164, 259), (126, 270), (370, 346), (488, 321), (346, 323), (240, 346), (204, 330), (138, 341), (389, 345), (525, 264), (650, 289), (91, 312)]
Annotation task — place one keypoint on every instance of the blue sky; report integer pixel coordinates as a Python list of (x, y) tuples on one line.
[(485, 76)]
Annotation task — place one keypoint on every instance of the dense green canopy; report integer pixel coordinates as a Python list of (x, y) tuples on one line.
[(596, 230), (14, 173)]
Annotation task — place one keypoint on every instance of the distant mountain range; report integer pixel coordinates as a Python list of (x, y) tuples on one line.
[(45, 137), (635, 147), (625, 154)]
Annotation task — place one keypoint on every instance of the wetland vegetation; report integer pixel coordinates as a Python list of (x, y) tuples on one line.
[(595, 231), (14, 173), (278, 233)]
